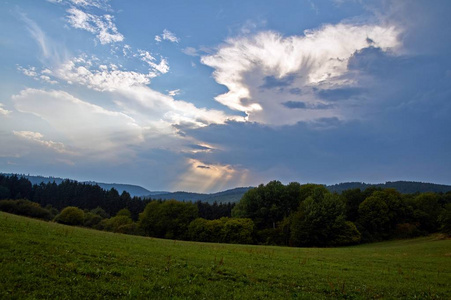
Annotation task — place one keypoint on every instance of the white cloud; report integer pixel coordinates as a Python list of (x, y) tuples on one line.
[(3, 111), (190, 51), (106, 78), (47, 79), (38, 138), (266, 70), (103, 26), (132, 94), (168, 36), (86, 127), (30, 72), (146, 57), (33, 73), (48, 48), (102, 4), (174, 92), (126, 50)]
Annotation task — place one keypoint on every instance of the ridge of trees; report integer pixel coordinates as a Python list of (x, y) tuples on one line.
[(275, 214)]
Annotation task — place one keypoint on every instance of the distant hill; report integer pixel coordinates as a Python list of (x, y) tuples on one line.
[(233, 195), (404, 187), (133, 190)]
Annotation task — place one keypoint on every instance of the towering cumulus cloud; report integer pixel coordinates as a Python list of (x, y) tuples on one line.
[(277, 80)]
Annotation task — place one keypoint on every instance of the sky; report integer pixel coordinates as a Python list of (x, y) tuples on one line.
[(205, 95)]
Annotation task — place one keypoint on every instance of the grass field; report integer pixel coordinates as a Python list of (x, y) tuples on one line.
[(48, 260)]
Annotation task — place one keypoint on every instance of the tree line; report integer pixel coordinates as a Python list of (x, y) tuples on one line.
[(310, 215), (89, 197), (272, 214)]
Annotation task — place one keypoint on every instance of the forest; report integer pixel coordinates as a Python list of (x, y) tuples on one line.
[(273, 214)]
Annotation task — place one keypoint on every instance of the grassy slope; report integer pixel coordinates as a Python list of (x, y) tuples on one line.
[(39, 259)]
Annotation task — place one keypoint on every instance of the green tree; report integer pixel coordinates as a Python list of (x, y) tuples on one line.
[(269, 205), (238, 230), (71, 215), (445, 219), (427, 209), (320, 221), (25, 208), (169, 219), (374, 218), (124, 212), (353, 198), (91, 219), (203, 230)]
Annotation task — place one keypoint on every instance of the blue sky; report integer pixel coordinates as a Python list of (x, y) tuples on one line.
[(209, 95)]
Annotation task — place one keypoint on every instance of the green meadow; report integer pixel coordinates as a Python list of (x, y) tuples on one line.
[(47, 260)]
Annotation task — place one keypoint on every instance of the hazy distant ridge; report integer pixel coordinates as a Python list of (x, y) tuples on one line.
[(404, 187), (234, 195), (133, 190)]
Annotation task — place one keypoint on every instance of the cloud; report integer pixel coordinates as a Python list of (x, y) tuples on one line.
[(303, 105), (174, 92), (190, 51), (105, 78), (207, 177), (50, 51), (38, 138), (3, 111), (133, 94), (167, 36), (102, 26), (43, 76), (146, 57), (86, 127), (101, 4), (30, 72), (265, 70)]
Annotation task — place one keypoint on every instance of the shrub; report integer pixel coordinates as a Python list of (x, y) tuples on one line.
[(25, 208), (114, 223), (91, 219), (71, 215)]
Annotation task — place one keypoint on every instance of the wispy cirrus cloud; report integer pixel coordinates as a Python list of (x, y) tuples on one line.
[(50, 51), (190, 51)]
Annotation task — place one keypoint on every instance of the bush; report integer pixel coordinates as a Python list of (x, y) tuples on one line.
[(169, 219), (91, 219), (114, 223), (407, 230), (131, 228), (238, 231), (25, 208), (71, 215), (445, 219)]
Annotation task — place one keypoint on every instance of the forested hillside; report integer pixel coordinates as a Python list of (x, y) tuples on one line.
[(276, 214), (133, 190), (404, 187)]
